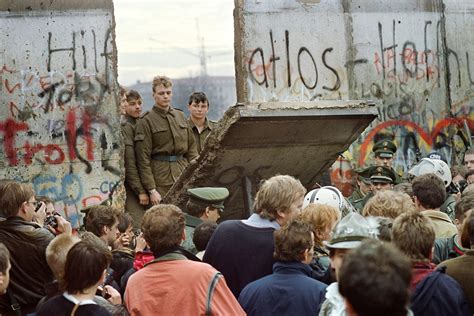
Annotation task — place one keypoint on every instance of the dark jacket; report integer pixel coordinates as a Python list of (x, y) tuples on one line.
[(27, 244), (439, 294), (446, 248), (288, 291)]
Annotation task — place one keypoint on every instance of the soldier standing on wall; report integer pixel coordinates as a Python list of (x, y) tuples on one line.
[(137, 197), (198, 107), (384, 151), (164, 142)]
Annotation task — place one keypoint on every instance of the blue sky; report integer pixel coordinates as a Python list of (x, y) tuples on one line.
[(160, 37)]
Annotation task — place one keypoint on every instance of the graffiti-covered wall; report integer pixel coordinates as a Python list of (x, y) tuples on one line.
[(415, 59), (59, 120)]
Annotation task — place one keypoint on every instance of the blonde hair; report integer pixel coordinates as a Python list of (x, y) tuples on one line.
[(277, 194), (161, 80), (56, 253), (320, 216), (388, 204)]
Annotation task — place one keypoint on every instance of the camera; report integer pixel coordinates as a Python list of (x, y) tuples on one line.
[(51, 221)]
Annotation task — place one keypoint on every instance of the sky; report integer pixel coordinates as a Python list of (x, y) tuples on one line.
[(161, 37)]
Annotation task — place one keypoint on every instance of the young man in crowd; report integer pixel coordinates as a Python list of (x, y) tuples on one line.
[(243, 249), (363, 188), (205, 204), (171, 283), (429, 194), (384, 151), (469, 159), (289, 290), (198, 106), (137, 197), (451, 247), (27, 242), (374, 279), (347, 235), (382, 178), (432, 291), (164, 142), (102, 221)]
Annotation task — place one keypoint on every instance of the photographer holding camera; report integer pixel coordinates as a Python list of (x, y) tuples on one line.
[(27, 241)]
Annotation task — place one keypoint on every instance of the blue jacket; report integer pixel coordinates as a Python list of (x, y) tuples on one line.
[(288, 291), (437, 295)]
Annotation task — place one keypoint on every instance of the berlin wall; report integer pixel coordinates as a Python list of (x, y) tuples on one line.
[(59, 120), (414, 59)]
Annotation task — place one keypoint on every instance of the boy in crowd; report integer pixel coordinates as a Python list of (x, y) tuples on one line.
[(433, 292), (374, 279), (103, 222), (137, 198), (289, 290)]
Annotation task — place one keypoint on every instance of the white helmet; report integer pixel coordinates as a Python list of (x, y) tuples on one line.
[(436, 166), (328, 195)]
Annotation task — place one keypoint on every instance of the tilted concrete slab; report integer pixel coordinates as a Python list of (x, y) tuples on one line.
[(257, 141)]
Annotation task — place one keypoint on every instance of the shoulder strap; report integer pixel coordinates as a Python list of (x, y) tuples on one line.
[(210, 292), (14, 305)]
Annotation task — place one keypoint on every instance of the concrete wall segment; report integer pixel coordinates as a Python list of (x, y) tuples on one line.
[(59, 119)]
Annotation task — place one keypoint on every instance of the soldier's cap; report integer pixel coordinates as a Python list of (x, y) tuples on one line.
[(384, 148), (364, 174), (209, 196), (351, 231), (382, 174)]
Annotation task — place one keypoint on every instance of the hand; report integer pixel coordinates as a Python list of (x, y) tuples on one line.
[(144, 199), (40, 214), (141, 243), (155, 197), (115, 298), (63, 225)]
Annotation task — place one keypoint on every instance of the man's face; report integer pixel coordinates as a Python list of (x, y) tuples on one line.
[(213, 214), (111, 234), (469, 161), (384, 161), (162, 96), (380, 186), (294, 210), (133, 108), (338, 259), (364, 187), (5, 279), (198, 110), (29, 209)]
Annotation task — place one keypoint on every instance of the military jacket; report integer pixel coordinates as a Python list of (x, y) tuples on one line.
[(201, 137), (358, 200), (163, 133), (132, 178)]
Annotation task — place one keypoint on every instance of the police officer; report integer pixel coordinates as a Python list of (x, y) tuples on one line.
[(363, 191), (384, 151), (204, 204), (164, 143), (198, 107), (382, 178), (137, 197)]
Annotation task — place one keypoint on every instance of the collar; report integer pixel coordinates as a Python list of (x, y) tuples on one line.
[(128, 119), (192, 221), (206, 124), (293, 267), (436, 214), (162, 112), (75, 301), (469, 252), (168, 257), (256, 221), (336, 299)]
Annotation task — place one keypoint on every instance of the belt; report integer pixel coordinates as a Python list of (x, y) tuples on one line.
[(167, 157)]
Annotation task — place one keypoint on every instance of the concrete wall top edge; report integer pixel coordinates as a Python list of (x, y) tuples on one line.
[(47, 5)]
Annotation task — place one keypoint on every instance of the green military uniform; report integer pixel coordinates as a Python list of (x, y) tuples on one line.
[(448, 207), (381, 174), (386, 149), (133, 185), (206, 197), (164, 146), (201, 137)]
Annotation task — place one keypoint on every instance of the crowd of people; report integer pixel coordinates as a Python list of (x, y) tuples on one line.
[(399, 245)]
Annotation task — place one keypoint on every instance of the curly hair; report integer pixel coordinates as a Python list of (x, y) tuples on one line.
[(388, 204)]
